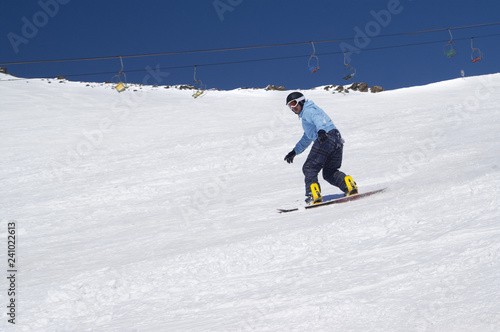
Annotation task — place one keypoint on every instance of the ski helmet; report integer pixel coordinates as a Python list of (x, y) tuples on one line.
[(295, 95)]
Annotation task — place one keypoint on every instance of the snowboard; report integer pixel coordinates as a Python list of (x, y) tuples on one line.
[(335, 200)]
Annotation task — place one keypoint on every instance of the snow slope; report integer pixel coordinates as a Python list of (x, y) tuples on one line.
[(150, 210)]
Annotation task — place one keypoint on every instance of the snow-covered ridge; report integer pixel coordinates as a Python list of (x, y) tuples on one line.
[(156, 211), (362, 87)]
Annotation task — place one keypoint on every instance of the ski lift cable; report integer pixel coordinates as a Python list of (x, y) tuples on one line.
[(240, 48), (260, 59)]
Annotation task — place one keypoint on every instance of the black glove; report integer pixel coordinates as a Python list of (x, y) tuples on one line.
[(289, 157), (322, 136)]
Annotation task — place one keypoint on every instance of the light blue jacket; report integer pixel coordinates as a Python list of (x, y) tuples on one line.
[(313, 120)]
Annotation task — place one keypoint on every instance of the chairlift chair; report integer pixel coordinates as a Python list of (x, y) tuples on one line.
[(449, 48), (120, 80), (314, 64), (476, 54), (199, 84), (199, 91), (120, 87), (349, 70)]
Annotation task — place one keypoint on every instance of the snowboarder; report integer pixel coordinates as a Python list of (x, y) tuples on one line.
[(326, 152)]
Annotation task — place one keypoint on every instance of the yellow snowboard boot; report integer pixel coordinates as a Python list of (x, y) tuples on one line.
[(352, 189), (316, 194)]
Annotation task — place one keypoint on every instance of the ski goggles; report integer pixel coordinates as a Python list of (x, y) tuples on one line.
[(295, 102)]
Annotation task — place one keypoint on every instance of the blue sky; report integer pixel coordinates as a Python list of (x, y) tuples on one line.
[(71, 29)]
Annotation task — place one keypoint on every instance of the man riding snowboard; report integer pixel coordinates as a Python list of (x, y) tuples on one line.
[(326, 152)]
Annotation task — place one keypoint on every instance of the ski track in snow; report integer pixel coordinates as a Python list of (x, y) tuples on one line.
[(153, 211)]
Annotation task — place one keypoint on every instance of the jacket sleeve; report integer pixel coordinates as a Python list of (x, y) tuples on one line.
[(302, 144)]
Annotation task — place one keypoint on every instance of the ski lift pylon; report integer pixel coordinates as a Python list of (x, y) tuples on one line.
[(476, 54), (197, 83), (313, 63), (349, 70), (449, 48), (120, 80)]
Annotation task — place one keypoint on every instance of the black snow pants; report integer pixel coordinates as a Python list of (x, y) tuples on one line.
[(325, 156)]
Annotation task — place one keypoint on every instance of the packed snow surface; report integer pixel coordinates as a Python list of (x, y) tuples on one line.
[(150, 210)]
